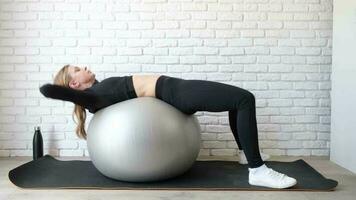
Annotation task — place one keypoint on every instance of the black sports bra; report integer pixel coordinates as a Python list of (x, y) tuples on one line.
[(113, 90), (101, 94), (119, 88)]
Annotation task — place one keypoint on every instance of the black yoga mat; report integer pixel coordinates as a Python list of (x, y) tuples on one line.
[(50, 173)]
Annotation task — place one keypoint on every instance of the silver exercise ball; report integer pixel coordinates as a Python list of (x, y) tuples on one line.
[(143, 139)]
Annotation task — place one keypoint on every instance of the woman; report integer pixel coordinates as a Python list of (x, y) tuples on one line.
[(189, 96)]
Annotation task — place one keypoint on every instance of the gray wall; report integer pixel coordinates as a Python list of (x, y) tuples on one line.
[(343, 93)]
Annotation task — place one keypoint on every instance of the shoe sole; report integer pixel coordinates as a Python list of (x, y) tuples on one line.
[(288, 186)]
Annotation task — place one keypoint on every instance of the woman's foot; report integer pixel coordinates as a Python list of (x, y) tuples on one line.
[(267, 177), (242, 158)]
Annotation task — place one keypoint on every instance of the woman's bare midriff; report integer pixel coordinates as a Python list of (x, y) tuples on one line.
[(145, 85)]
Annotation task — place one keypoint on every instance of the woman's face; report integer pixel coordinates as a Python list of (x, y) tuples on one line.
[(82, 78)]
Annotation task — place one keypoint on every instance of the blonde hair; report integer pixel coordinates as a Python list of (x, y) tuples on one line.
[(63, 78)]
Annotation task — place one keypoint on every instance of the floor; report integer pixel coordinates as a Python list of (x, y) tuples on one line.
[(345, 190)]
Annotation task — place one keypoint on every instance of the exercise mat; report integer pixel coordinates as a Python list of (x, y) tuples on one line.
[(50, 173)]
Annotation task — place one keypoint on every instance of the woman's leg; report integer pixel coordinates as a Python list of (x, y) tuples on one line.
[(198, 95), (233, 126), (191, 96)]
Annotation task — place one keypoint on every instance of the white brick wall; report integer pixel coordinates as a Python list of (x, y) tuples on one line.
[(280, 50)]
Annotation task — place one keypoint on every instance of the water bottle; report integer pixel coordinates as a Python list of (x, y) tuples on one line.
[(37, 144)]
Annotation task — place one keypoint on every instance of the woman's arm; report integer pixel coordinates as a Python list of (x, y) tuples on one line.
[(83, 98)]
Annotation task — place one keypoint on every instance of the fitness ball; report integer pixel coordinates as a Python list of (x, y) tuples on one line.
[(143, 139)]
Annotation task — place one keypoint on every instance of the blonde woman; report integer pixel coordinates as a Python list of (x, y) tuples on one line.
[(78, 85)]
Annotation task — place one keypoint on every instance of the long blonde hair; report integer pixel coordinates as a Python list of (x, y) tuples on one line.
[(63, 78)]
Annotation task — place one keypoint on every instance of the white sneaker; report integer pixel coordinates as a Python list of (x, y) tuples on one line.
[(242, 157), (267, 177)]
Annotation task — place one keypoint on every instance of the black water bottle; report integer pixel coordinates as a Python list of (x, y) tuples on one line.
[(37, 144)]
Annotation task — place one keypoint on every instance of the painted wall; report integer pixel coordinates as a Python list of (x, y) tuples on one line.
[(280, 50), (343, 93)]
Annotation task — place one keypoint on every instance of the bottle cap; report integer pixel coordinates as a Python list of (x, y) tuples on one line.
[(37, 128)]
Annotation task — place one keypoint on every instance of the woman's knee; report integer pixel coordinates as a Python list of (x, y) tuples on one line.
[(250, 97), (247, 101)]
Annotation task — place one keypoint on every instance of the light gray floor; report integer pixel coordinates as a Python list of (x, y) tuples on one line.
[(345, 190)]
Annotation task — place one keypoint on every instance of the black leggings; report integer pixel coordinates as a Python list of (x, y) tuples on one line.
[(190, 96)]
